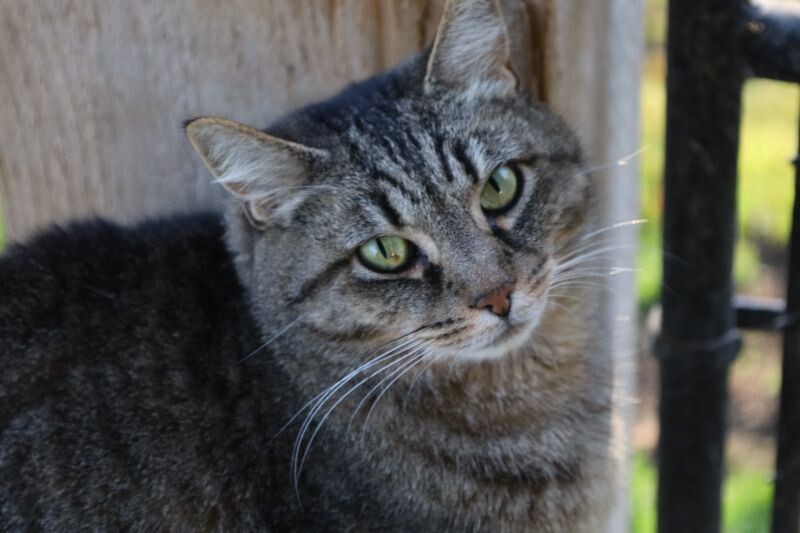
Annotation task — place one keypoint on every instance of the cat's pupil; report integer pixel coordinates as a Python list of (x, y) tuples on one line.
[(382, 248), (386, 254), (500, 190)]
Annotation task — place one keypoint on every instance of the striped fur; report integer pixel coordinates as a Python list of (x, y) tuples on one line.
[(167, 377)]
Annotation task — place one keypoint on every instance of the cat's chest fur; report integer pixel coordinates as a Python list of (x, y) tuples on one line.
[(493, 449)]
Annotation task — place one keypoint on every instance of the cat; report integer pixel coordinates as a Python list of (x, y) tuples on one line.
[(383, 332)]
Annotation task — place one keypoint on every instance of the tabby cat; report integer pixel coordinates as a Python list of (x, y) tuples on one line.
[(382, 334)]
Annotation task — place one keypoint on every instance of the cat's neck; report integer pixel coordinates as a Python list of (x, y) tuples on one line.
[(497, 430)]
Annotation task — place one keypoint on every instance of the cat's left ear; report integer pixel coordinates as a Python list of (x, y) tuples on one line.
[(268, 174), (471, 51)]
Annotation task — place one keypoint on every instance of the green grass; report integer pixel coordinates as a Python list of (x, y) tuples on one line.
[(747, 499), (766, 182), (643, 495), (652, 163), (768, 143)]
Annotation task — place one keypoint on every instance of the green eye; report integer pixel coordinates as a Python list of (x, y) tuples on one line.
[(386, 254), (500, 190)]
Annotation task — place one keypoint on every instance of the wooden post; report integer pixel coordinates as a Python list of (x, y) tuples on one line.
[(93, 94)]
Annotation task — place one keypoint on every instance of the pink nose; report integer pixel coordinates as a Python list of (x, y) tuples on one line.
[(497, 301)]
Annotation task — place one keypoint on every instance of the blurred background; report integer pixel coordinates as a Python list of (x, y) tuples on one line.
[(766, 193)]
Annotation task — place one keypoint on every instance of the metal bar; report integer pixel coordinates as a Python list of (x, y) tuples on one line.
[(699, 340), (772, 44), (760, 313), (786, 504)]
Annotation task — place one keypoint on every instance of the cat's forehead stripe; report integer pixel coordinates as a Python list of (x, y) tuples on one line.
[(440, 152), (311, 286), (380, 176), (460, 153), (390, 213)]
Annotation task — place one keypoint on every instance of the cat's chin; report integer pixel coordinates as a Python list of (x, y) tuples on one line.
[(501, 339), (503, 345)]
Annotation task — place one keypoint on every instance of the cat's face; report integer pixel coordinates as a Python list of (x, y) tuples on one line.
[(427, 203)]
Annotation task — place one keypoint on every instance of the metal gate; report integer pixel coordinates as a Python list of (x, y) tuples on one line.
[(714, 46)]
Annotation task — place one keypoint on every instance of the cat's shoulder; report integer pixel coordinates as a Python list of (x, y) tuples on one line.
[(99, 244), (90, 278), (89, 255)]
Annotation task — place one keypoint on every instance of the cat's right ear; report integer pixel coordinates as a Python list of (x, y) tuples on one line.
[(267, 173), (471, 51)]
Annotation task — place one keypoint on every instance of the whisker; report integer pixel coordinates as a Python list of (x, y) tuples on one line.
[(616, 270), (299, 467), (272, 339), (403, 370), (673, 257), (319, 401), (578, 244), (327, 389), (572, 274), (280, 189), (562, 296), (366, 396), (607, 271), (416, 351), (577, 284), (621, 162), (552, 301), (330, 391), (578, 281), (591, 246), (611, 227), (398, 354), (419, 374), (589, 255)]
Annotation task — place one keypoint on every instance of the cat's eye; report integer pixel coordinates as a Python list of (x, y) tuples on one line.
[(387, 254), (500, 190)]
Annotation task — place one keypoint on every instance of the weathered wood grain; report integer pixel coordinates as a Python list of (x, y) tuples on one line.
[(93, 92)]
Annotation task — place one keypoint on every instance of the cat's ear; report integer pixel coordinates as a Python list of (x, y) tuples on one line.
[(267, 173), (471, 51)]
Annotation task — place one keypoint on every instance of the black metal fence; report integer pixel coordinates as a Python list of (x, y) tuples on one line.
[(714, 46)]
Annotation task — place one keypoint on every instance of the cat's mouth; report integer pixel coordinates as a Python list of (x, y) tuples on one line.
[(509, 332), (492, 337), (508, 337)]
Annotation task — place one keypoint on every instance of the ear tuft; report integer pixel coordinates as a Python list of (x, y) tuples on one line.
[(263, 171), (471, 51)]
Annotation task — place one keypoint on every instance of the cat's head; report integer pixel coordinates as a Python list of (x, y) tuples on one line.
[(429, 199)]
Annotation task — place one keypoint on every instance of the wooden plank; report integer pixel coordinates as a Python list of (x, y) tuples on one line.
[(93, 93)]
